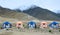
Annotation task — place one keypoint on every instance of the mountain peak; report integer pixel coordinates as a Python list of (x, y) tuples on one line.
[(42, 14)]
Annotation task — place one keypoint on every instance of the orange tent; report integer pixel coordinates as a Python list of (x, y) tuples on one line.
[(43, 24), (19, 24)]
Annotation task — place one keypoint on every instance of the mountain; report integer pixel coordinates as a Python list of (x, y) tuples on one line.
[(13, 15), (57, 12), (58, 15), (42, 14), (34, 13)]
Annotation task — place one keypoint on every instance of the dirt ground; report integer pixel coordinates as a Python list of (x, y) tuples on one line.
[(27, 32)]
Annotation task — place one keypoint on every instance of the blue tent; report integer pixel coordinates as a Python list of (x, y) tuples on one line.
[(31, 24), (54, 25), (6, 25)]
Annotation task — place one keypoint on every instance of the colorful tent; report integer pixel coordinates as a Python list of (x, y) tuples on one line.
[(19, 24), (43, 24), (6, 25), (31, 24), (54, 25)]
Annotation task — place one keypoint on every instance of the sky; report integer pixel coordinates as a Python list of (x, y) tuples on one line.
[(52, 5)]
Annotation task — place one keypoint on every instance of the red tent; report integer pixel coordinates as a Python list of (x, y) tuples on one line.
[(43, 24), (19, 24)]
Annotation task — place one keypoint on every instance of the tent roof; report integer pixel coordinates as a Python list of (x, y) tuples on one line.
[(54, 23), (31, 22), (19, 22), (43, 22), (6, 22)]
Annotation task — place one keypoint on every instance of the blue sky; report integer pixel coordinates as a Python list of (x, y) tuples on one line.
[(52, 5)]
